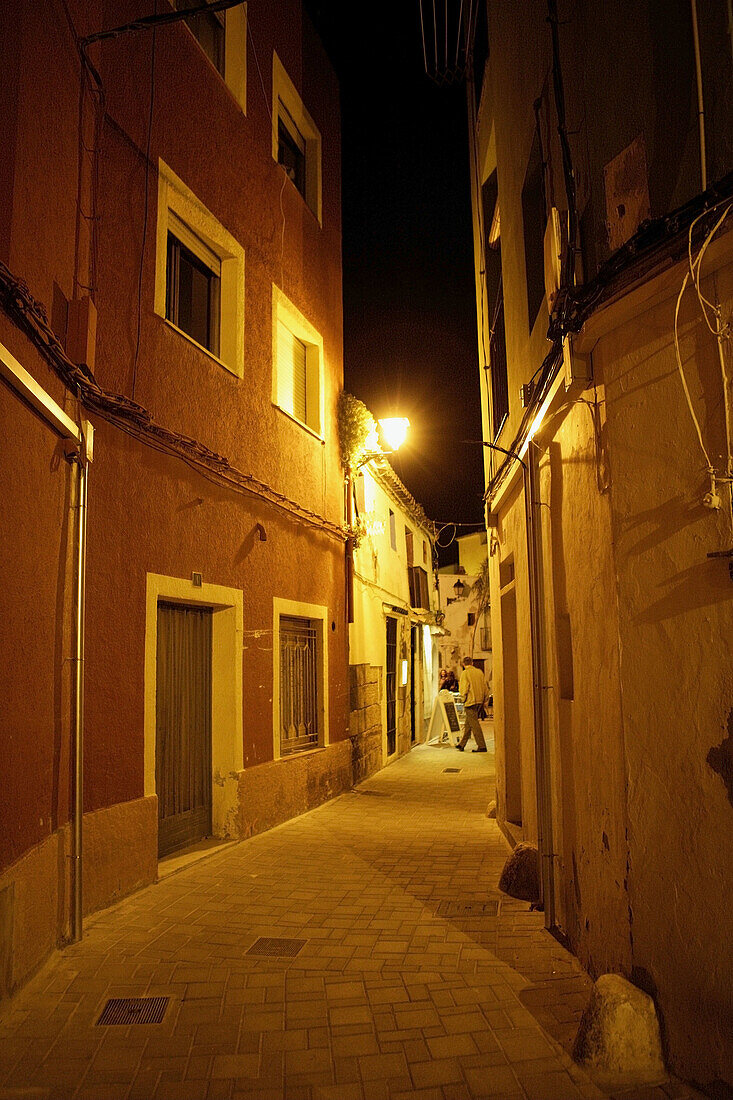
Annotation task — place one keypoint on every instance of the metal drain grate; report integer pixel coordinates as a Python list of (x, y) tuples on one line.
[(468, 908), (286, 949), (452, 771), (134, 1010)]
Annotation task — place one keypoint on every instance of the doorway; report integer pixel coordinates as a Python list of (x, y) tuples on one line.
[(183, 766), (511, 726), (414, 676), (390, 678)]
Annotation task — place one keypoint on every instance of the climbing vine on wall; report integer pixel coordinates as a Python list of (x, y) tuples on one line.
[(357, 430)]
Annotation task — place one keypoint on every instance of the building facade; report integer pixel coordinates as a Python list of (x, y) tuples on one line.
[(170, 241), (467, 621), (604, 276), (393, 652)]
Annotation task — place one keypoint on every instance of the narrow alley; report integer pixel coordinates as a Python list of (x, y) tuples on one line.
[(391, 967)]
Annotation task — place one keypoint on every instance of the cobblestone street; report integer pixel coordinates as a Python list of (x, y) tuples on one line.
[(413, 977)]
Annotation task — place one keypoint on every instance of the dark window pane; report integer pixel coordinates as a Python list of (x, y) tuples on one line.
[(192, 295), (291, 149), (208, 29), (535, 220)]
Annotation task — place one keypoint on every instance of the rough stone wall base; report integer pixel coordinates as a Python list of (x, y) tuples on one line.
[(272, 793), (365, 720), (120, 855)]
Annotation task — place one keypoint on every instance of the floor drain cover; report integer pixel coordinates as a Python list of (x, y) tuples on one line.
[(134, 1010), (468, 908), (452, 771), (286, 949)]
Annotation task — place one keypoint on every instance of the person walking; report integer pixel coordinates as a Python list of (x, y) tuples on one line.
[(474, 691)]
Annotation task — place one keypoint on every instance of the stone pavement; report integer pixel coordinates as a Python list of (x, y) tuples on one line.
[(414, 978)]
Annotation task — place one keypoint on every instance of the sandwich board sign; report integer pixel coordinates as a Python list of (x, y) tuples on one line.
[(444, 719)]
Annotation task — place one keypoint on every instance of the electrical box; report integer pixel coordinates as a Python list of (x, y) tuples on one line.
[(81, 332), (578, 368)]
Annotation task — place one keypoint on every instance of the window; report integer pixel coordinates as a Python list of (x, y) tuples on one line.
[(495, 303), (392, 530), (208, 30), (419, 591), (534, 219), (296, 140), (291, 148), (291, 365), (297, 357), (471, 618), (193, 281), (199, 274), (222, 36), (298, 685), (424, 552), (409, 546), (300, 678)]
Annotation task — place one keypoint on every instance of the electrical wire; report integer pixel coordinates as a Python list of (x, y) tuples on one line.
[(31, 317), (145, 210)]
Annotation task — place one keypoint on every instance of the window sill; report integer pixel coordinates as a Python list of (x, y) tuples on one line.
[(207, 353), (304, 752), (300, 423)]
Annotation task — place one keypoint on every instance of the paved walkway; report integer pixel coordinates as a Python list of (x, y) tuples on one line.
[(398, 988)]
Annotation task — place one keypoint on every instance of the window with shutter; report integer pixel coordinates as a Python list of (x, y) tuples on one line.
[(292, 373)]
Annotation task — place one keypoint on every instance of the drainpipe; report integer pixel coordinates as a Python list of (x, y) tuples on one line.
[(81, 462), (349, 545), (79, 450), (542, 753)]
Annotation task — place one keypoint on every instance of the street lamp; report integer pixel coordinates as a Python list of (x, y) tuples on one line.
[(394, 430), (459, 588)]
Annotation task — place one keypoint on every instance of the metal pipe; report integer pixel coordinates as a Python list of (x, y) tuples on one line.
[(77, 824), (349, 545), (542, 755), (700, 104)]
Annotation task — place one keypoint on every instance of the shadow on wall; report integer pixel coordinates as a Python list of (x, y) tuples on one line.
[(720, 759), (702, 585)]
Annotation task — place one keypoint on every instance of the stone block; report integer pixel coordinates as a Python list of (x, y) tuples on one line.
[(618, 1040), (521, 875), (371, 695), (373, 717)]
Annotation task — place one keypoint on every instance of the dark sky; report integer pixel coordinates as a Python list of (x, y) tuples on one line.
[(409, 306)]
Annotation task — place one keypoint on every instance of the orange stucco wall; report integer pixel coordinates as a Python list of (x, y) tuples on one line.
[(149, 512)]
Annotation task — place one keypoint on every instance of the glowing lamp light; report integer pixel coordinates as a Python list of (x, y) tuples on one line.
[(394, 430)]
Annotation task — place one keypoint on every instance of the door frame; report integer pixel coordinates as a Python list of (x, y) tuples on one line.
[(227, 739)]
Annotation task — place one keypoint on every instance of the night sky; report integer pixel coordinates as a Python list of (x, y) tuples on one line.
[(409, 306)]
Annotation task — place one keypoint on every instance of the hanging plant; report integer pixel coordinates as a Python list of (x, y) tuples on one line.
[(357, 430)]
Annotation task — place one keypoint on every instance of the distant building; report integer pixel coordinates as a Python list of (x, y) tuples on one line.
[(603, 239), (181, 225), (393, 651), (467, 626)]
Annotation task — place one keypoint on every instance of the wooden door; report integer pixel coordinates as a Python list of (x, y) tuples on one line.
[(183, 726), (390, 676)]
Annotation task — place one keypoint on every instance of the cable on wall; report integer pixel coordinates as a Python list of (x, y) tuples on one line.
[(31, 317)]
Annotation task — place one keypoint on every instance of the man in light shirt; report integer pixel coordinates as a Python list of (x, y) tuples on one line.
[(474, 691)]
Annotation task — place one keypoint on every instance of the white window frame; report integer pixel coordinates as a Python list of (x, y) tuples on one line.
[(318, 615), (235, 52), (285, 94), (178, 206), (284, 312)]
